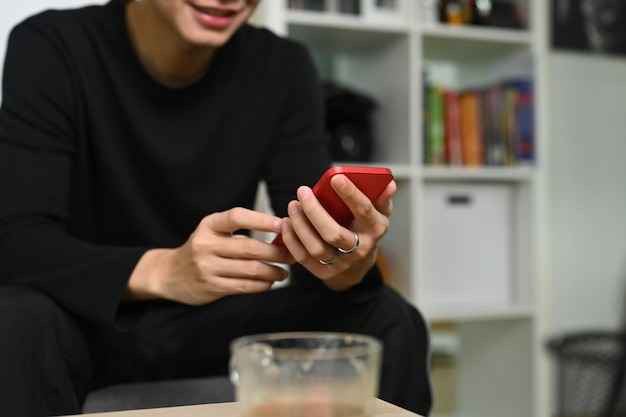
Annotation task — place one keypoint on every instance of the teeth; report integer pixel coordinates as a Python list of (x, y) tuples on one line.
[(216, 12)]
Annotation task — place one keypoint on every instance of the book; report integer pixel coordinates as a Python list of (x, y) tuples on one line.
[(494, 136), (452, 129), (524, 129), (425, 116), (436, 140), (471, 128), (509, 123)]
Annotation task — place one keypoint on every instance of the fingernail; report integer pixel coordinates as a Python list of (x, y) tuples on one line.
[(292, 208), (340, 181), (303, 193), (278, 224)]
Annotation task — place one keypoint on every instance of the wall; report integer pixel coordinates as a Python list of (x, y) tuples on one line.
[(588, 190)]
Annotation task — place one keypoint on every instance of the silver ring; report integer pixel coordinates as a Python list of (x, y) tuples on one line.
[(354, 247), (332, 261)]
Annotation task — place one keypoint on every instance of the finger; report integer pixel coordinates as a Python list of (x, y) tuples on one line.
[(229, 286), (249, 270), (384, 203), (362, 208), (302, 255), (323, 223), (310, 209), (244, 247), (305, 232), (291, 240), (229, 221)]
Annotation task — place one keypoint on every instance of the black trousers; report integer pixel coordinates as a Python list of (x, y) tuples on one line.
[(49, 361)]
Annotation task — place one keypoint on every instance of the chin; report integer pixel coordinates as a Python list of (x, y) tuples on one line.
[(212, 40), (202, 35)]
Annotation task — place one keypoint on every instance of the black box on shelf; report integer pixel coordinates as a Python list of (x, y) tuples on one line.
[(314, 5)]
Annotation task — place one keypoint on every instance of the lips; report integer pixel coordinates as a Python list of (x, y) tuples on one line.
[(212, 17), (215, 12)]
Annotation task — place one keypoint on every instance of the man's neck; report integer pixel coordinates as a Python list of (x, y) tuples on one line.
[(164, 54)]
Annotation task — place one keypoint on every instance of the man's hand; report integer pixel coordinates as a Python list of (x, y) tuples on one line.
[(214, 262), (313, 236)]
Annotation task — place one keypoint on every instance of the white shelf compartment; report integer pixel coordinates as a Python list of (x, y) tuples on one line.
[(359, 59), (505, 174), (465, 33), (462, 314), (343, 21)]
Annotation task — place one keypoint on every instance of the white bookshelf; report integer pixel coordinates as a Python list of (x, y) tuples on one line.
[(500, 364)]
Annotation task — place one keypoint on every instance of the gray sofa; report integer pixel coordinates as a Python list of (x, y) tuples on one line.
[(160, 394)]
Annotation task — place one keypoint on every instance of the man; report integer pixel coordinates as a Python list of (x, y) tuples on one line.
[(132, 139)]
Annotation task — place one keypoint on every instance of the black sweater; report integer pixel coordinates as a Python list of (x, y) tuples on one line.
[(98, 162)]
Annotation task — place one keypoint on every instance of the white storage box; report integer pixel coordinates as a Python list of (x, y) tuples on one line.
[(467, 246)]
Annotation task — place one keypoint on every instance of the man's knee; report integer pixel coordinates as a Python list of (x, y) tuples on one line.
[(399, 314), (24, 312), (31, 321), (37, 332), (406, 353)]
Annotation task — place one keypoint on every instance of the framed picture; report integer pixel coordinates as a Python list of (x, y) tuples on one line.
[(597, 26)]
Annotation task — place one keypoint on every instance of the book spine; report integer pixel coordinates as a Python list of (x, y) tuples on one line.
[(498, 152), (471, 129), (436, 145), (425, 117), (524, 136), (452, 129), (509, 124)]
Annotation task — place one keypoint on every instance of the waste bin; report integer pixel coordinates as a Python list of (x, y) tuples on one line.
[(589, 374)]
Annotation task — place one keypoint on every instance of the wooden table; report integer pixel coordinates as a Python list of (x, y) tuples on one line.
[(383, 409)]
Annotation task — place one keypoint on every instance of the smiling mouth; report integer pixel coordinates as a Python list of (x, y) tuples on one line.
[(215, 12)]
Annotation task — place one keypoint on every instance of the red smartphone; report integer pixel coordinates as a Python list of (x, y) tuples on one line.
[(372, 181)]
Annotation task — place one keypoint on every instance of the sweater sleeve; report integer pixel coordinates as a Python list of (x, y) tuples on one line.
[(38, 121)]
